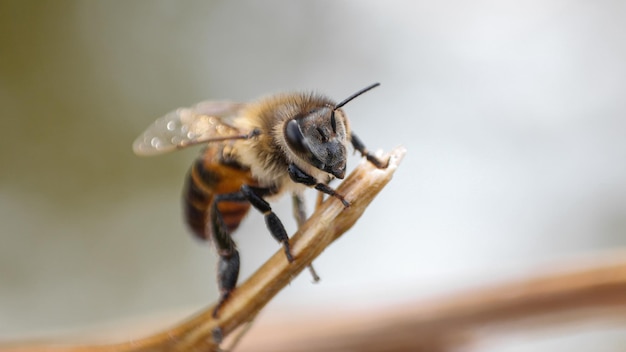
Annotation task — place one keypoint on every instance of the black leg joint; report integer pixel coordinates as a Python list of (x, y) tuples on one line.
[(299, 176), (324, 188), (221, 236), (273, 223), (228, 271), (277, 229), (256, 200), (227, 275), (358, 145)]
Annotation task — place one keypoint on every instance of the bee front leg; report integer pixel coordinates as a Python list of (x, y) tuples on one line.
[(276, 227), (299, 176), (228, 265), (358, 145)]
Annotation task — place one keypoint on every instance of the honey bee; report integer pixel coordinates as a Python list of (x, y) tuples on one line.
[(278, 144)]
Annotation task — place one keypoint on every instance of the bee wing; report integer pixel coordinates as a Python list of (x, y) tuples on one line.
[(184, 127)]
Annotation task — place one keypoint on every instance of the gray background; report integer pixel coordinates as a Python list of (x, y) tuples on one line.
[(512, 113)]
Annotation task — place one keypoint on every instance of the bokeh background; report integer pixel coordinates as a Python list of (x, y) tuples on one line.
[(513, 113)]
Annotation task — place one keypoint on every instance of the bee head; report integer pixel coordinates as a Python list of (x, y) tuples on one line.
[(319, 137)]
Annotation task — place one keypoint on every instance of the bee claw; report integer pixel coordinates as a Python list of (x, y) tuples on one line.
[(290, 258), (345, 203), (218, 335)]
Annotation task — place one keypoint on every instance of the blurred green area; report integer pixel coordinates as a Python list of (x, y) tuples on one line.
[(75, 90), (67, 113)]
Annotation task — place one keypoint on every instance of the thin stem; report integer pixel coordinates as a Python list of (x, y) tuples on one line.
[(202, 332)]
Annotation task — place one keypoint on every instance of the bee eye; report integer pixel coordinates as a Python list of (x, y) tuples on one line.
[(294, 137)]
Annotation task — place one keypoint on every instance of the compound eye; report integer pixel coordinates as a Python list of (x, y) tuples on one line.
[(294, 137)]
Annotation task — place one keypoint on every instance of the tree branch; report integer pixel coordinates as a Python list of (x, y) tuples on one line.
[(330, 220)]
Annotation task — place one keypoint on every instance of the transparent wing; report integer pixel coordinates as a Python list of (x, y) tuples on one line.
[(184, 127)]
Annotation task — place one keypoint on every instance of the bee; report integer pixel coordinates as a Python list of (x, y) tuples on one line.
[(254, 151)]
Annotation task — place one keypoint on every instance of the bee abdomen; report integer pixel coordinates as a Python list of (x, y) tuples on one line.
[(233, 213), (207, 178), (196, 203)]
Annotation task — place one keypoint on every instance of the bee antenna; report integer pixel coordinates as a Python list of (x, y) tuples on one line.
[(347, 100)]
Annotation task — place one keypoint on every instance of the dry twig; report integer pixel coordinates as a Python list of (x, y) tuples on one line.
[(330, 220)]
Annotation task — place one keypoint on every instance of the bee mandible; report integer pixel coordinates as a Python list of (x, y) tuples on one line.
[(278, 144)]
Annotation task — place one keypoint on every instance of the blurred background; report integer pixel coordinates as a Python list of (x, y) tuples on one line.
[(513, 114)]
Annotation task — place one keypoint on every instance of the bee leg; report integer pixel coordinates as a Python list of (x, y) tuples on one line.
[(228, 265), (299, 213), (299, 176), (254, 196), (358, 145)]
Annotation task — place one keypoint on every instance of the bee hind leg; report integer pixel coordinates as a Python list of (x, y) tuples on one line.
[(299, 213), (274, 225), (228, 265)]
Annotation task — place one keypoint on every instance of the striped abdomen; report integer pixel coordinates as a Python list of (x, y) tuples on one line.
[(210, 175)]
